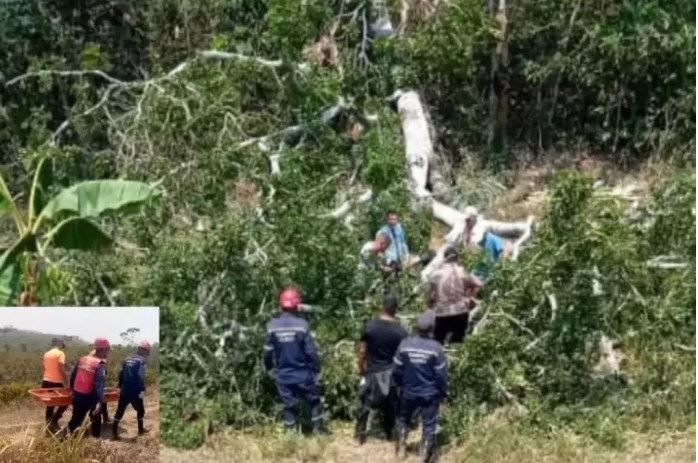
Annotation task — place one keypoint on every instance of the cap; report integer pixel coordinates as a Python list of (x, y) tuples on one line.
[(145, 345), (470, 211), (426, 321), (101, 343)]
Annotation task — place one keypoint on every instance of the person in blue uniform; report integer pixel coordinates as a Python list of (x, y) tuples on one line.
[(291, 359), (132, 388), (421, 375)]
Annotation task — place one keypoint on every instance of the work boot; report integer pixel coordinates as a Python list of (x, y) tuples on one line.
[(361, 434), (141, 429), (427, 450), (115, 430), (401, 443), (53, 426), (319, 429)]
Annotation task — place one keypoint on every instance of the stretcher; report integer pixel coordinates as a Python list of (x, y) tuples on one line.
[(59, 397)]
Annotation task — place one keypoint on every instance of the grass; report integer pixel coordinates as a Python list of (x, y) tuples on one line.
[(27, 367), (23, 437), (496, 443), (47, 449), (12, 392)]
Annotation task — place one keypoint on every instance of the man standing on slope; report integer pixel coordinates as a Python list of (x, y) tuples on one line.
[(380, 339), (448, 293), (132, 385), (87, 387), (396, 254), (421, 374), (54, 377), (291, 359)]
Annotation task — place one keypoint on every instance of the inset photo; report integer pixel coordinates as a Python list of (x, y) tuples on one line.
[(79, 384)]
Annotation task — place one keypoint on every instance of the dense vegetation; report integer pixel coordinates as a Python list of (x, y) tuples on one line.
[(21, 364), (614, 78)]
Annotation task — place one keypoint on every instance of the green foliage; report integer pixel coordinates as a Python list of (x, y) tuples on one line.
[(22, 363), (14, 391), (73, 209), (616, 77), (544, 358)]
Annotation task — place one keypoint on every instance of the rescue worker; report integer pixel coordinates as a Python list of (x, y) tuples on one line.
[(87, 387), (54, 377), (132, 385), (421, 374), (292, 361), (449, 294), (379, 341), (103, 405)]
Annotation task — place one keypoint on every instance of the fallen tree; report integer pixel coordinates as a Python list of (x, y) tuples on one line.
[(423, 174)]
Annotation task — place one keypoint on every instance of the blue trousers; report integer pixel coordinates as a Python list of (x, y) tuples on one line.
[(430, 413), (290, 393)]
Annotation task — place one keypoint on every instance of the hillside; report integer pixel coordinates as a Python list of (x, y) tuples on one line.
[(32, 340), (223, 149)]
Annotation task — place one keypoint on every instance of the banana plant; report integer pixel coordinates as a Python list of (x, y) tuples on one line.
[(66, 220)]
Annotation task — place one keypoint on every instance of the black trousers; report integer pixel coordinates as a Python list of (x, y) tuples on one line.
[(456, 325), (82, 405), (105, 412), (369, 400), (125, 401), (53, 413)]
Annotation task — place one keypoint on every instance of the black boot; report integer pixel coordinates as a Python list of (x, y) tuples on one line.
[(360, 434), (53, 427), (115, 430), (401, 442), (428, 451), (318, 428), (141, 429)]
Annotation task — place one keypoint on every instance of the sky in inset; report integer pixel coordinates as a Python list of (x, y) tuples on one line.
[(85, 322)]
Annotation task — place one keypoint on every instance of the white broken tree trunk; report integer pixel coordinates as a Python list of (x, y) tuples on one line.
[(418, 144), (515, 233)]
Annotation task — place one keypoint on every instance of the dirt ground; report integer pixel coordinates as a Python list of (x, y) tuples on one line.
[(235, 446), (22, 432)]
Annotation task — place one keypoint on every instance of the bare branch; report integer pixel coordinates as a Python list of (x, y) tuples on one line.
[(344, 208), (215, 54), (55, 72)]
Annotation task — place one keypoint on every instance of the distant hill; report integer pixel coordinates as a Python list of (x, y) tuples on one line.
[(32, 340)]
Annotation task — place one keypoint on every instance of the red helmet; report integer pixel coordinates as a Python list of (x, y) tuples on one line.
[(101, 343), (289, 299), (145, 345)]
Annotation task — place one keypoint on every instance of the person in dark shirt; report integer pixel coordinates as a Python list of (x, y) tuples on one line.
[(379, 342)]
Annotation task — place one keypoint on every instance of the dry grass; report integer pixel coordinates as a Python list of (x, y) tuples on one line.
[(498, 444), (23, 438)]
